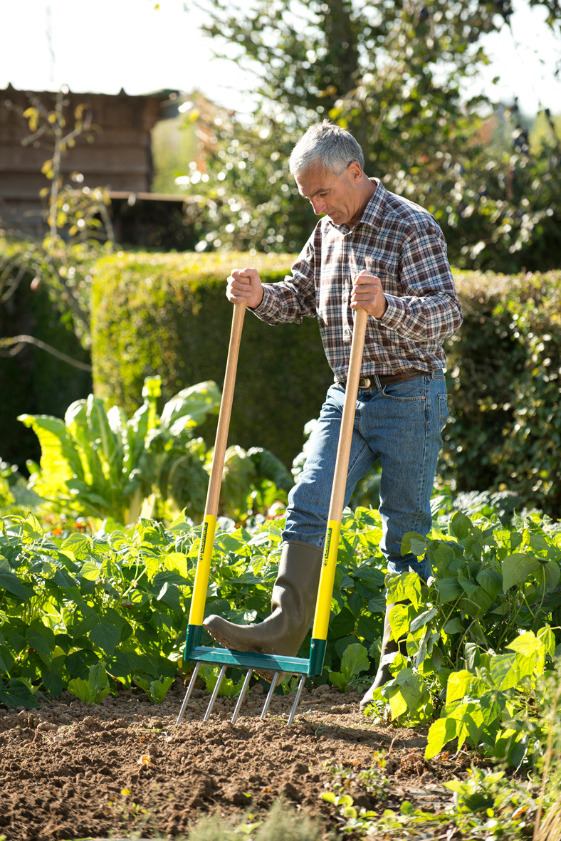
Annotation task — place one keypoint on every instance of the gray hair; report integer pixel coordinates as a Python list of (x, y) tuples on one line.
[(326, 145)]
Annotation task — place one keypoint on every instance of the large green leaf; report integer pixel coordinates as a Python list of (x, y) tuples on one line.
[(190, 407), (517, 568), (10, 582), (134, 438), (16, 693), (448, 589), (504, 671), (442, 731), (98, 446), (491, 581), (270, 467), (60, 459), (530, 652)]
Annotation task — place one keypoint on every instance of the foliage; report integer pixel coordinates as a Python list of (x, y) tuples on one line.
[(478, 635), (100, 463), (86, 608), (70, 600), (353, 662), (394, 74), (282, 823), (486, 806), (507, 215)]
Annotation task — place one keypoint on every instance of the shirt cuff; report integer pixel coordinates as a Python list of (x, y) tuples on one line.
[(394, 313), (267, 307)]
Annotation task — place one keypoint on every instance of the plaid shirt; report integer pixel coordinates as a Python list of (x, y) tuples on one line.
[(402, 244)]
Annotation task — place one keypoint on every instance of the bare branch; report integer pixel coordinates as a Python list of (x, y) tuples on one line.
[(14, 344)]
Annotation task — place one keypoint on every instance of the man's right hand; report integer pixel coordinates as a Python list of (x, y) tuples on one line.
[(245, 285)]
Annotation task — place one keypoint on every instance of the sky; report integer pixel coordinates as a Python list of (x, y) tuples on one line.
[(145, 45)]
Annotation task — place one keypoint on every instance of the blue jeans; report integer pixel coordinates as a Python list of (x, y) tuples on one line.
[(400, 424)]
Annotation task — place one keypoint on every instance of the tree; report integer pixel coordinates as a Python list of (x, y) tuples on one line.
[(391, 73)]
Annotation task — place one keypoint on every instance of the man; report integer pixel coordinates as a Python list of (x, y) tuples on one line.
[(377, 251)]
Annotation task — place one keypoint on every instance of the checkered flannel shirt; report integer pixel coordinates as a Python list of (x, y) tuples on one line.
[(402, 244)]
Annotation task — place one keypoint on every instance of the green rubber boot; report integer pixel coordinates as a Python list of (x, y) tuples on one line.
[(293, 603)]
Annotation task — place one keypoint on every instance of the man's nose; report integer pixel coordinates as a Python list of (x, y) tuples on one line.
[(318, 206)]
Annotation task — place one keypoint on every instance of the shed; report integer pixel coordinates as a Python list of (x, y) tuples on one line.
[(119, 158)]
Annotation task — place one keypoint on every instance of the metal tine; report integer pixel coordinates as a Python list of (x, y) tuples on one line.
[(269, 695), (189, 690), (242, 695), (215, 693), (296, 700)]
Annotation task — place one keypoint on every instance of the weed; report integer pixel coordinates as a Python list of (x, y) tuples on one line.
[(282, 823)]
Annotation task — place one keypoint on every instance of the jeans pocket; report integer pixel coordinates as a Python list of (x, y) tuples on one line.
[(413, 389), (442, 410)]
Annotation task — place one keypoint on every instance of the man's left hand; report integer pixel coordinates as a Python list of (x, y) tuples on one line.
[(367, 294)]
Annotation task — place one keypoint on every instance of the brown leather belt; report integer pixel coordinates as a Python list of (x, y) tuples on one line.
[(386, 379)]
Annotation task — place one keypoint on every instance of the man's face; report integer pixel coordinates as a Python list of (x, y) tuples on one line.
[(338, 196)]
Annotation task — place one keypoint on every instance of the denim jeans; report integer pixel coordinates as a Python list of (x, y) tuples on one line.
[(400, 424)]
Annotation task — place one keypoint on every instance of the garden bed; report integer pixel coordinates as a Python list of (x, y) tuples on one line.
[(122, 768)]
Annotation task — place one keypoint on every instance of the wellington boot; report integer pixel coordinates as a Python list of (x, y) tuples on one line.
[(390, 648), (293, 604)]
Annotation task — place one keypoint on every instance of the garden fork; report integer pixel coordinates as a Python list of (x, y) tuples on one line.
[(278, 664)]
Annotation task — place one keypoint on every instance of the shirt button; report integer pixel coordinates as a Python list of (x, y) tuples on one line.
[(347, 334)]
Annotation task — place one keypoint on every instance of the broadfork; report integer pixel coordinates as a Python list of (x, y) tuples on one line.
[(249, 660)]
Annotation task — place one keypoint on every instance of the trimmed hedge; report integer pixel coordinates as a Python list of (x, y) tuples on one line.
[(168, 315), (504, 377)]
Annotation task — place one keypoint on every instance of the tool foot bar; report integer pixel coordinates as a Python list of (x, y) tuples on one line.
[(249, 660)]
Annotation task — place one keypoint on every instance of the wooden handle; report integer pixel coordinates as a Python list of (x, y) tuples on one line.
[(213, 495), (347, 422)]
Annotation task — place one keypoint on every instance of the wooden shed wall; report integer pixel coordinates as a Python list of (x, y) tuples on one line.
[(119, 158)]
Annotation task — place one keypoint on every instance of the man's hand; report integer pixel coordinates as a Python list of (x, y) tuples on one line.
[(367, 294), (245, 285)]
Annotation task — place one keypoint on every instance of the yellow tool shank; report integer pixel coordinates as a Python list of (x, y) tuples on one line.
[(327, 579), (198, 601)]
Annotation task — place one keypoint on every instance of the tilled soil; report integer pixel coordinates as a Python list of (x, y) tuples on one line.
[(122, 768)]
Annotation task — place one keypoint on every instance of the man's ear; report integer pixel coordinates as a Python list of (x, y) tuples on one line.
[(355, 171)]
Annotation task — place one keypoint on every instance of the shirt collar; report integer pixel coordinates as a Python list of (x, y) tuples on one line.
[(372, 214)]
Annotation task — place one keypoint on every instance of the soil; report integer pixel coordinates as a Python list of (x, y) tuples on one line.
[(123, 769)]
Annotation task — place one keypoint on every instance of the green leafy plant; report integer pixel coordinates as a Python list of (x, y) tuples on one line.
[(478, 634), (486, 805), (155, 689), (353, 662), (94, 688), (100, 463), (228, 687)]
